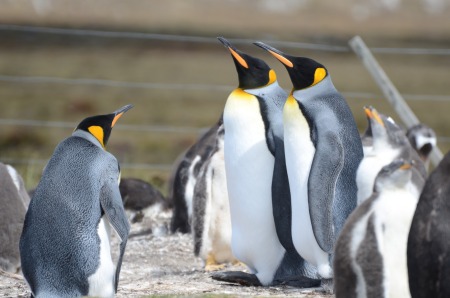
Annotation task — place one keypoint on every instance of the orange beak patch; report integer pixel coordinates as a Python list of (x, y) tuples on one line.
[(116, 118), (238, 58), (282, 59)]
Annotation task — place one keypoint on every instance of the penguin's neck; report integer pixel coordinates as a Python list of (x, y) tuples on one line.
[(87, 136)]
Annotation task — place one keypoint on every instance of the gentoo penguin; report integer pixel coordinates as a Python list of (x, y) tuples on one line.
[(140, 197), (323, 150), (257, 182), (429, 237), (423, 140), (184, 177), (14, 200), (370, 254), (211, 222), (388, 143), (64, 247)]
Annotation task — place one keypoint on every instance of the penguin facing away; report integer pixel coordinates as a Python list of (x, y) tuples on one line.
[(388, 143), (257, 185), (14, 202), (429, 237), (64, 247), (370, 254), (323, 150), (211, 222), (184, 177)]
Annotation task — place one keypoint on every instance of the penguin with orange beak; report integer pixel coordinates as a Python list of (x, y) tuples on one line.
[(323, 150), (65, 243)]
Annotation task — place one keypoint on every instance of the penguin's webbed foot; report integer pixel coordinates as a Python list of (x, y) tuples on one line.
[(302, 282), (237, 277)]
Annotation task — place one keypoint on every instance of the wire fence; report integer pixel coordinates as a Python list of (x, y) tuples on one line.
[(170, 86)]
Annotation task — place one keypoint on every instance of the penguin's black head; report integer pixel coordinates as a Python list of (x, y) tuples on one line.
[(252, 72), (304, 72), (100, 126)]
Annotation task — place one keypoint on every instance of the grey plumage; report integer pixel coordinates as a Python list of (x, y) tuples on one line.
[(60, 245), (373, 236), (423, 140), (186, 171), (429, 237), (14, 202)]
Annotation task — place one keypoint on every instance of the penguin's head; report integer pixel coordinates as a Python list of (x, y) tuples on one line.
[(394, 175), (252, 72), (100, 126), (422, 139), (385, 131), (304, 72)]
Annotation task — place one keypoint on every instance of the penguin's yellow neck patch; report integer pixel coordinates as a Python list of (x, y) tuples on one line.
[(98, 133), (272, 77), (319, 75), (239, 93)]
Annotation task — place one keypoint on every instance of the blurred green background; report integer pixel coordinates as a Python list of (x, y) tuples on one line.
[(49, 81)]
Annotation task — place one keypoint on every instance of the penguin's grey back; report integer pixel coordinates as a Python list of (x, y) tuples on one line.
[(14, 203), (59, 245)]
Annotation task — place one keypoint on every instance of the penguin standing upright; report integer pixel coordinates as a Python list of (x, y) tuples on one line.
[(211, 222), (370, 254), (323, 150), (14, 202), (64, 247), (184, 178), (388, 143), (256, 175), (429, 237)]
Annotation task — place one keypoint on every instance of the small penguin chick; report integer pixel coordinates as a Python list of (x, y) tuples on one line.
[(423, 139)]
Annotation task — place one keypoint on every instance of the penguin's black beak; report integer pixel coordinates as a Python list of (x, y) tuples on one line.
[(282, 57), (118, 113), (234, 52)]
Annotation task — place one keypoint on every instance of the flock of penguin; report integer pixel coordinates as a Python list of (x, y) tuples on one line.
[(282, 183)]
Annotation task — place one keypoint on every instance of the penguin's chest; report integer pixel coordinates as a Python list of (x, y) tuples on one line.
[(101, 283), (248, 161)]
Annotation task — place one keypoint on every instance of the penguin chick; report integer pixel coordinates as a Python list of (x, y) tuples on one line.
[(429, 237), (423, 140), (370, 256), (323, 150), (211, 220), (257, 182), (141, 198), (14, 200), (388, 143), (184, 176), (65, 243)]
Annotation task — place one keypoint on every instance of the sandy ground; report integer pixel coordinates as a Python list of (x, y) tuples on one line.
[(163, 264)]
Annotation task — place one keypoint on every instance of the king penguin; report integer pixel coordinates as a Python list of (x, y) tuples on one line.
[(370, 254), (323, 150), (211, 222), (429, 237), (389, 142), (65, 243), (256, 174), (14, 202), (184, 177)]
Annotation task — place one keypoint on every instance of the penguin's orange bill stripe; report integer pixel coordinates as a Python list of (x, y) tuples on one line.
[(405, 166), (238, 58), (368, 113), (377, 117), (282, 59), (116, 118)]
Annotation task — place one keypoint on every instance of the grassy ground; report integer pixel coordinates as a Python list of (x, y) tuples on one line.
[(27, 54)]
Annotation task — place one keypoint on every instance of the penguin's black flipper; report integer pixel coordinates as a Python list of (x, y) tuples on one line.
[(327, 165), (237, 277), (112, 205)]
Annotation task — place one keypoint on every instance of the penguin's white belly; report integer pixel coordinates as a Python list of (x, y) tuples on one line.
[(394, 213), (369, 168), (249, 170), (299, 151), (101, 283)]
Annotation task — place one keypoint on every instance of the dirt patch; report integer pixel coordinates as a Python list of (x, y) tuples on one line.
[(164, 264)]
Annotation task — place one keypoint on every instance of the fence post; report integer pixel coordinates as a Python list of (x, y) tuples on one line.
[(390, 92)]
